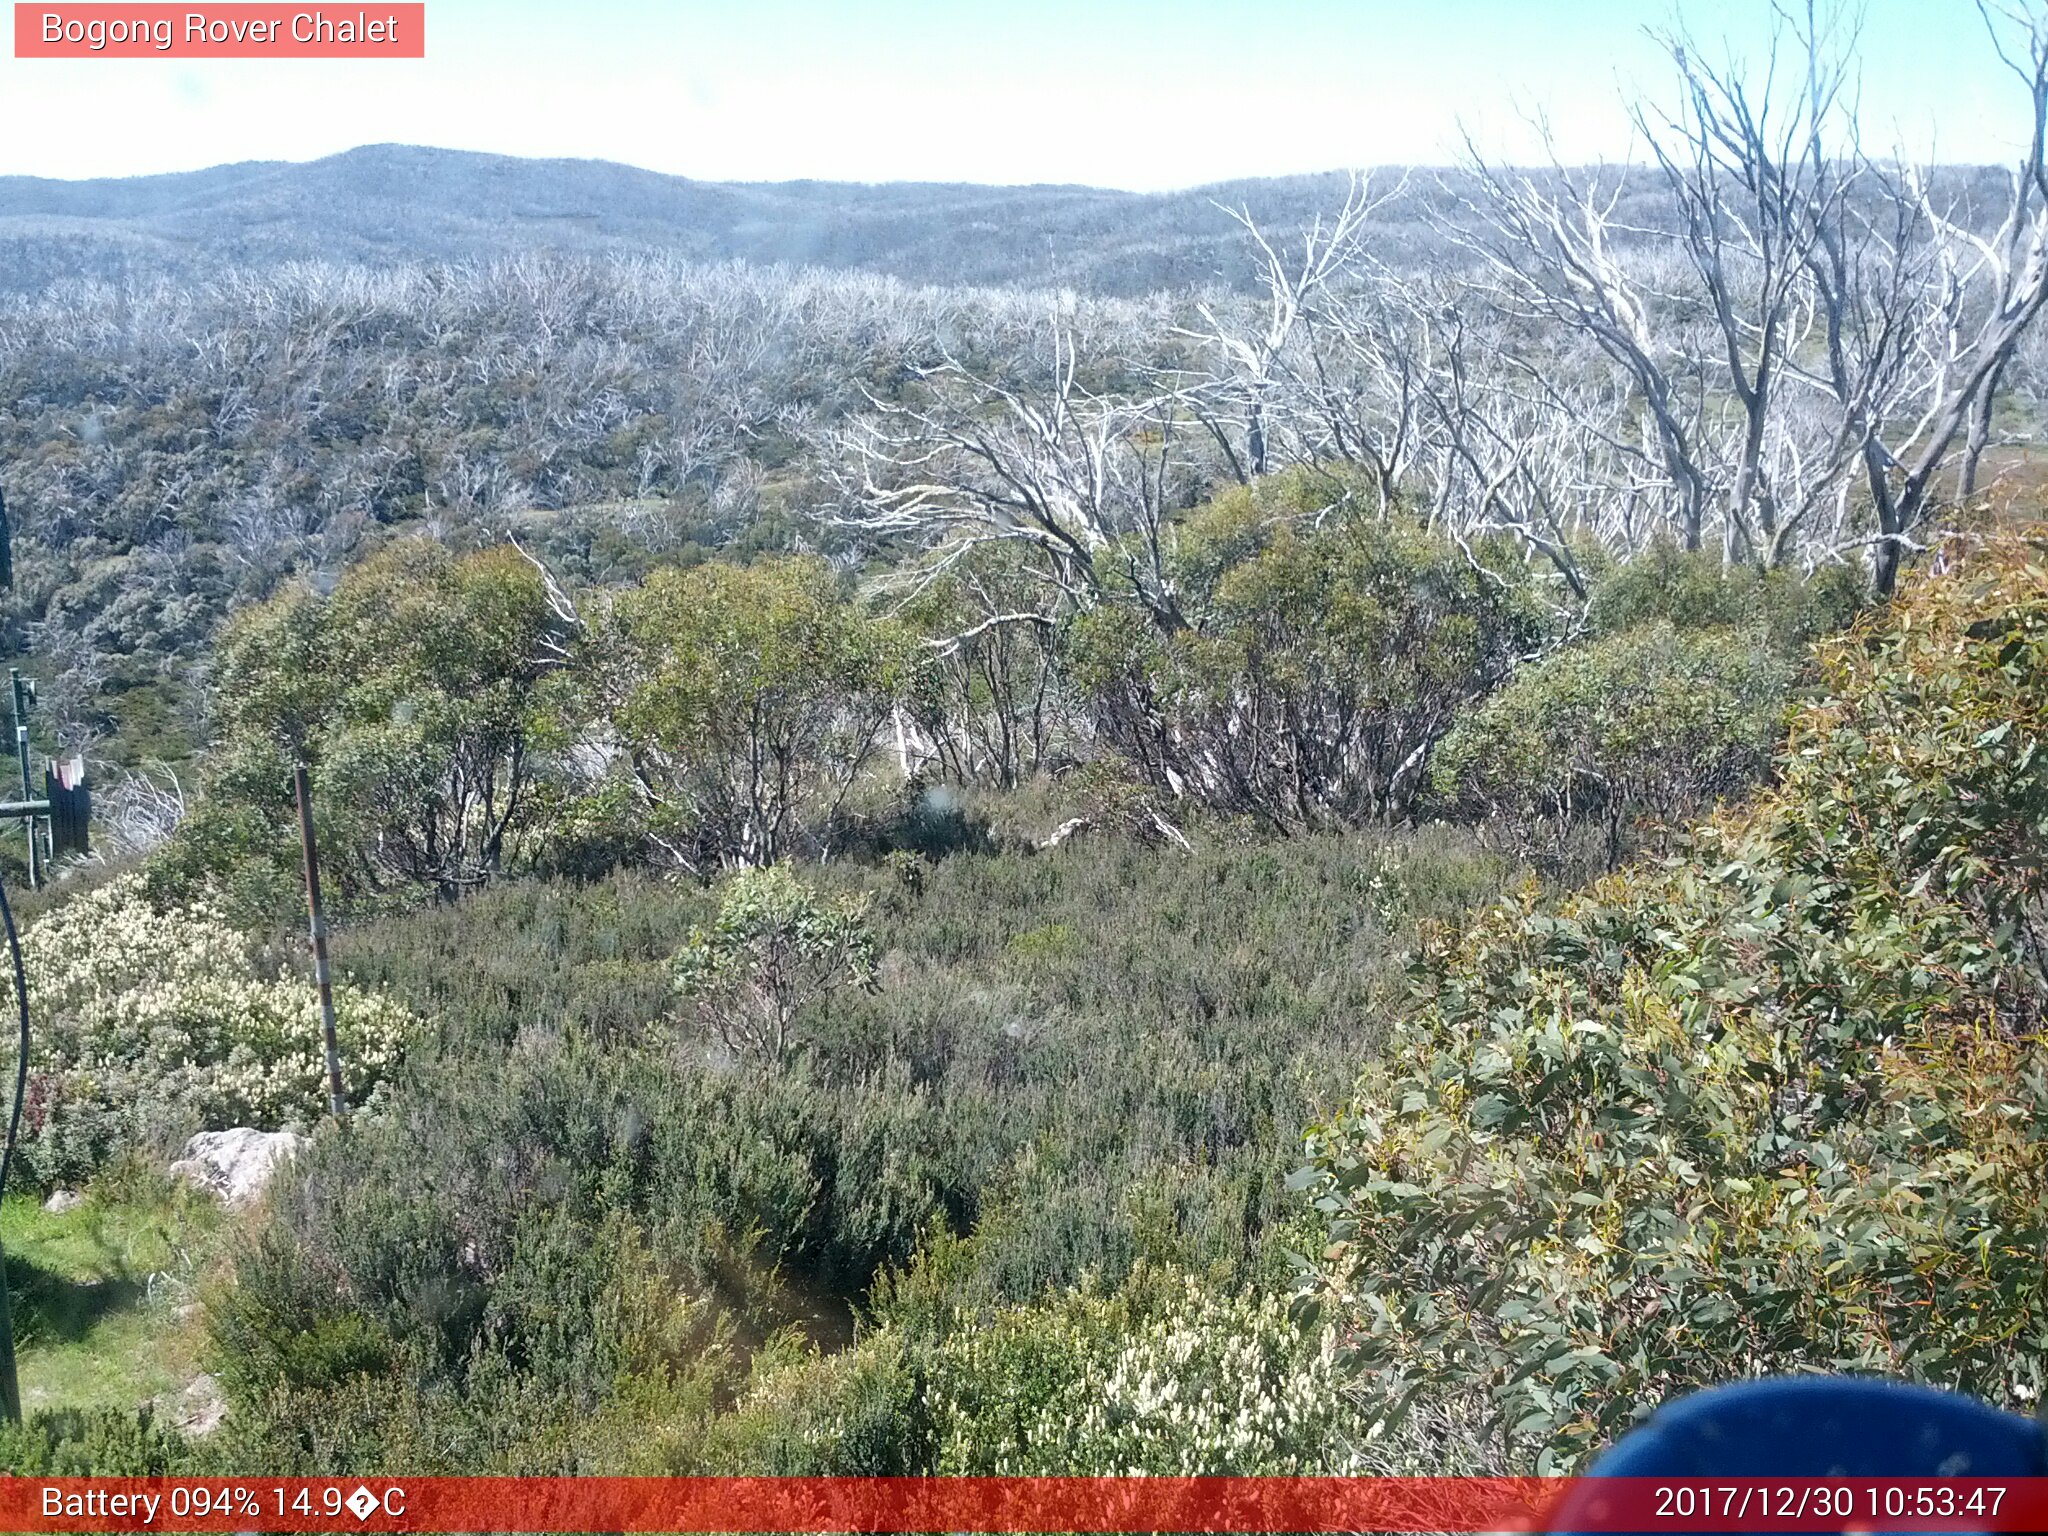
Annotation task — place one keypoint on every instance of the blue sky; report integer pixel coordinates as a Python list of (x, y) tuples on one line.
[(1145, 94)]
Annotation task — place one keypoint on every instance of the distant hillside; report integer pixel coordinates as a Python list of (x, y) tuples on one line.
[(390, 202)]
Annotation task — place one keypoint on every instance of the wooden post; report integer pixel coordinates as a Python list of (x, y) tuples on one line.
[(302, 787)]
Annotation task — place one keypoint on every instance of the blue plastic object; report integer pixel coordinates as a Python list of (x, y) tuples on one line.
[(1823, 1426)]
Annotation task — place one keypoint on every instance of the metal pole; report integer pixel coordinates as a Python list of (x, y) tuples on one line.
[(23, 691), (10, 1383), (302, 787)]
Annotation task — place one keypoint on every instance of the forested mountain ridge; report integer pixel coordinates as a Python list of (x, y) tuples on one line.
[(383, 203), (402, 202)]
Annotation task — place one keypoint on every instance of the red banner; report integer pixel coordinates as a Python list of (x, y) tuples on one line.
[(234, 31), (1022, 1504)]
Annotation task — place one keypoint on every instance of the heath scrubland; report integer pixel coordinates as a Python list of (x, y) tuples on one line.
[(1367, 868)]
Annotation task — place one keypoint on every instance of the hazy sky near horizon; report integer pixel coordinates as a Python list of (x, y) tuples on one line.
[(1141, 94)]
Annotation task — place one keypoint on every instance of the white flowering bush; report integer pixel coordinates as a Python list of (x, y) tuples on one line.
[(151, 1024), (1164, 1375)]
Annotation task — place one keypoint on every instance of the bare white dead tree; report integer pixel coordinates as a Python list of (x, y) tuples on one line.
[(1830, 323), (1084, 478), (1369, 343), (138, 809), (1546, 455), (1417, 377), (1268, 348)]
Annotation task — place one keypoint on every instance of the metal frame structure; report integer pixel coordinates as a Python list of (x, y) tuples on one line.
[(57, 824)]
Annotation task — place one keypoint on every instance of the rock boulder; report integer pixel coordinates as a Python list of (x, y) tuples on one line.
[(235, 1165)]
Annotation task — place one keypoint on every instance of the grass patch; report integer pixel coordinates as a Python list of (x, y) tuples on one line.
[(100, 1293)]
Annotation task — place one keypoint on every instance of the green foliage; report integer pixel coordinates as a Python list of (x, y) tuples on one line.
[(776, 948), (1654, 723), (1696, 589), (414, 691), (1676, 702), (746, 702), (1325, 661), (1164, 1375), (991, 700), (1777, 1107), (267, 1349), (1075, 1104), (107, 1442), (153, 1023), (589, 1357), (803, 1412)]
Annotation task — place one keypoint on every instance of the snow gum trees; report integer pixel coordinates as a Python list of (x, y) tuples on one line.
[(746, 702), (1768, 338), (415, 690), (1812, 332)]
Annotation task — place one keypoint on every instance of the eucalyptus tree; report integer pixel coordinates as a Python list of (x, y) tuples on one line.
[(415, 690), (740, 707)]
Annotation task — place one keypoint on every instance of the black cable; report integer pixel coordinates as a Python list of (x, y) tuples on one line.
[(21, 1062), (10, 1386)]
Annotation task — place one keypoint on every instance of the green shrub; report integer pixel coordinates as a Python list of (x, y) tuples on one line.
[(415, 692), (1164, 1374), (306, 1354), (1075, 1105), (775, 949), (1653, 724), (1324, 663), (746, 702), (1778, 1107), (990, 700), (108, 1442), (153, 1023), (1785, 609), (557, 1354), (859, 1412)]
